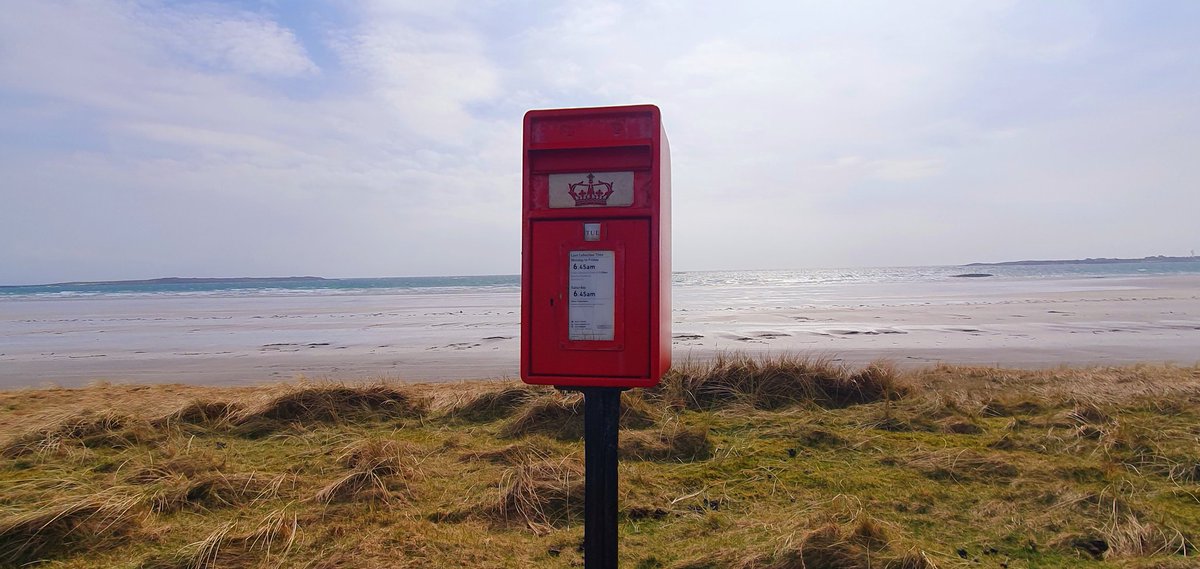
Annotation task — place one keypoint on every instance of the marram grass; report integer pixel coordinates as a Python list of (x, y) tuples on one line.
[(739, 463)]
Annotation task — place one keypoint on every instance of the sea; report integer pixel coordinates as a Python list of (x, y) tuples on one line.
[(682, 282), (242, 330)]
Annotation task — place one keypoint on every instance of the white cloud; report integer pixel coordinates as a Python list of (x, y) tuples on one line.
[(906, 169), (242, 42), (424, 74)]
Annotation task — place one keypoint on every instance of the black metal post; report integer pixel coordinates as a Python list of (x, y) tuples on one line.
[(601, 413)]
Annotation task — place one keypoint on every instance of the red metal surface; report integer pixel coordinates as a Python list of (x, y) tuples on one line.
[(601, 140)]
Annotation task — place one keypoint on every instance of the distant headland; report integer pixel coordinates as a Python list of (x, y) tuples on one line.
[(183, 280), (1091, 261)]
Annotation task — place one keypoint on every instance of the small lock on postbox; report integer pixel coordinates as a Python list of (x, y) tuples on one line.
[(596, 247)]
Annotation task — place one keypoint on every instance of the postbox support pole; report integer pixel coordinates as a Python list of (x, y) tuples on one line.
[(602, 411)]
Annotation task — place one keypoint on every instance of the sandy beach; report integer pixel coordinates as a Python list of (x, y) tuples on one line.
[(450, 335)]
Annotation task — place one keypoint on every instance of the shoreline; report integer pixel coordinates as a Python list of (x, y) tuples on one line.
[(238, 340)]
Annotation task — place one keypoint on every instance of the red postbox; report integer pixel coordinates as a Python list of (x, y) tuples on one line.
[(596, 247)]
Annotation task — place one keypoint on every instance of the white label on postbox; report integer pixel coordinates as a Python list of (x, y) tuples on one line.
[(591, 189), (591, 301), (591, 232)]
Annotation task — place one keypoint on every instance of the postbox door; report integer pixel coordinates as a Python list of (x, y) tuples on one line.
[(590, 307)]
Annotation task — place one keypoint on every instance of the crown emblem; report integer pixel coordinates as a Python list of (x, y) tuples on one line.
[(590, 192)]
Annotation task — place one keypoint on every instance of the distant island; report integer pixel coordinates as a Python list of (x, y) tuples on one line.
[(182, 280), (1090, 261)]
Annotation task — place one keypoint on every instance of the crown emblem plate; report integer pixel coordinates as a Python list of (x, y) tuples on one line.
[(591, 189)]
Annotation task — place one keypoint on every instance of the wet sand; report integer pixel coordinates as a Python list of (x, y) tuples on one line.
[(1017, 324), (222, 340)]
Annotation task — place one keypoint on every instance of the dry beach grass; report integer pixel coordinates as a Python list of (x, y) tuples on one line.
[(736, 463)]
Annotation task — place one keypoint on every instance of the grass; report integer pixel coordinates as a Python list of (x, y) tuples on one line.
[(741, 463), (561, 416), (372, 464), (105, 429), (673, 442), (539, 495), (774, 383), (66, 525)]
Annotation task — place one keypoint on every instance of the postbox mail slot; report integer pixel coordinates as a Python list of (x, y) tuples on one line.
[(590, 128), (583, 322), (576, 159)]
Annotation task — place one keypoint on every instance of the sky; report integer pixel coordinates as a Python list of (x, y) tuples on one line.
[(143, 139)]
